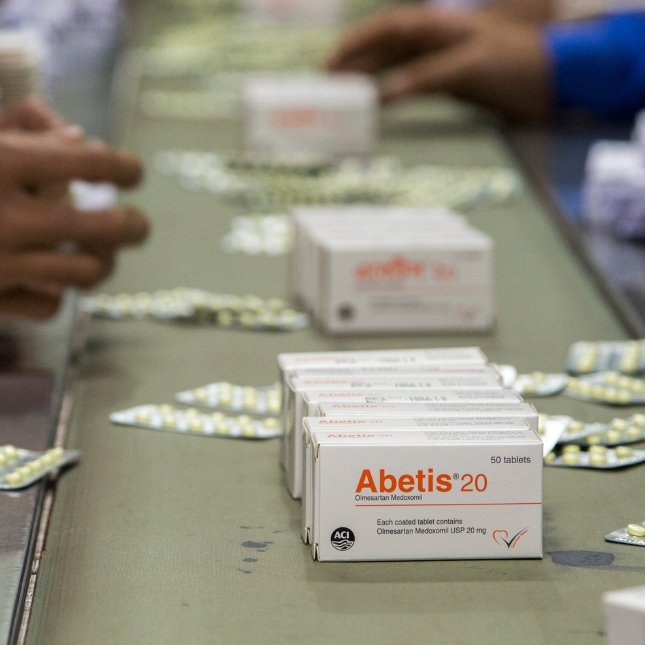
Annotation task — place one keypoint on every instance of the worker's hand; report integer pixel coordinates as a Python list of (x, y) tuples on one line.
[(46, 246), (477, 56)]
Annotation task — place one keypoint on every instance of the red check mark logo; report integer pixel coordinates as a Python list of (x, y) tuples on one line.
[(501, 537)]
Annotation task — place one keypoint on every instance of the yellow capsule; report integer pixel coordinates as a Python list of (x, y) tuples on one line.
[(639, 419), (24, 471), (274, 404), (570, 458), (529, 388), (191, 412), (572, 448), (243, 419), (611, 378), (201, 394), (611, 395), (597, 390), (13, 478), (36, 465), (597, 460), (623, 452), (624, 381), (196, 425), (594, 439), (585, 388), (619, 424), (638, 385), (56, 453), (225, 398), (573, 383), (250, 401), (166, 409), (222, 428), (225, 318), (549, 458), (169, 420), (633, 433), (624, 396), (270, 423), (539, 376), (47, 459), (598, 450), (613, 436), (217, 416), (142, 416), (637, 530), (10, 452), (3, 459), (249, 431), (575, 426)]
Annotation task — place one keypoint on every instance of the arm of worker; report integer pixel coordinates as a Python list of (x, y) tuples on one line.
[(513, 67), (37, 261), (475, 55), (599, 65)]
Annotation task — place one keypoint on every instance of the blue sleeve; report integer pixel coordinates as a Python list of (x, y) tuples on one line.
[(599, 65)]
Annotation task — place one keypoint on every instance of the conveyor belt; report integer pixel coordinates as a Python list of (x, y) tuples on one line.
[(159, 538)]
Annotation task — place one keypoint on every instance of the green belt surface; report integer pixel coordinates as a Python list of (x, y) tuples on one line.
[(158, 538)]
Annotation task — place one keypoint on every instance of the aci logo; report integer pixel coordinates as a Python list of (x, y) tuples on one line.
[(501, 537), (342, 538)]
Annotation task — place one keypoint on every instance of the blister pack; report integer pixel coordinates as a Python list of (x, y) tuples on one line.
[(191, 421), (616, 433), (540, 384), (199, 307), (627, 357), (260, 234), (608, 388), (633, 534), (596, 457), (551, 430), (226, 396), (507, 372), (20, 468)]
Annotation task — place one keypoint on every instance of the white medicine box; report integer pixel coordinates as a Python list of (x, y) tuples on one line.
[(331, 115)]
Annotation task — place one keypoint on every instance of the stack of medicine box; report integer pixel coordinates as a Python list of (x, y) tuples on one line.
[(410, 455), (316, 114), (389, 269)]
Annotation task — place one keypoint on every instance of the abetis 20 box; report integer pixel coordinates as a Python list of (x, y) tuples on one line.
[(427, 494)]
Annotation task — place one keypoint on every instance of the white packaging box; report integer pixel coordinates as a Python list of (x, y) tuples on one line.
[(427, 495), (384, 424), (614, 187), (364, 221), (625, 616), (377, 371), (299, 11), (383, 358), (436, 283), (370, 230), (310, 114), (520, 410), (292, 437)]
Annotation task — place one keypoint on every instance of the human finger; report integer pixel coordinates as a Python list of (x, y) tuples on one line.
[(31, 114), (439, 72), (25, 303), (31, 223), (397, 35), (80, 270), (34, 159)]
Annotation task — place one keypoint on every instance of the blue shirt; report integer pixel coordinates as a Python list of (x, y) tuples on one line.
[(599, 64)]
